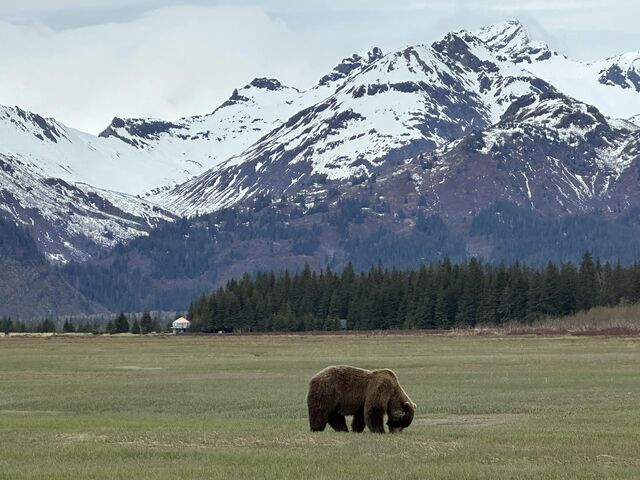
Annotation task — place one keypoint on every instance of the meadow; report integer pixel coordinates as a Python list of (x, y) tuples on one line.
[(124, 407)]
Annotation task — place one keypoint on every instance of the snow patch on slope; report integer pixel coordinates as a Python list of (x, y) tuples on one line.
[(69, 220)]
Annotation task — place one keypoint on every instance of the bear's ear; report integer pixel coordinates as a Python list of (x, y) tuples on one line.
[(406, 406)]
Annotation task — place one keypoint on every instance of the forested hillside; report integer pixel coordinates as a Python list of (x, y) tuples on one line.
[(29, 286), (182, 260)]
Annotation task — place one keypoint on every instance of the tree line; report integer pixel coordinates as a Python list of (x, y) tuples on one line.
[(121, 324), (440, 295)]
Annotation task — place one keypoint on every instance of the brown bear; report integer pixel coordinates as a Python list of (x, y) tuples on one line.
[(367, 395)]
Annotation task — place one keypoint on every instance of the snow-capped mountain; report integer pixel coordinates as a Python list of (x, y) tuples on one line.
[(158, 154), (155, 154), (414, 99), (74, 156), (508, 112), (202, 142), (409, 101), (199, 143), (612, 85)]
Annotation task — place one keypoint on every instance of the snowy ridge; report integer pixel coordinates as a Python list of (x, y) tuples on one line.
[(622, 71), (201, 142), (612, 85), (66, 153), (350, 64), (155, 154)]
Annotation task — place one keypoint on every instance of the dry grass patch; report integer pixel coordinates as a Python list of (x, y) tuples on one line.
[(470, 420), (623, 320)]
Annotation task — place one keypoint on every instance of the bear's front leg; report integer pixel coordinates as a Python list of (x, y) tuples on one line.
[(357, 425), (374, 419), (318, 418)]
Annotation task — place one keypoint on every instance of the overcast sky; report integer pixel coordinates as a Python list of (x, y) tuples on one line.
[(85, 61)]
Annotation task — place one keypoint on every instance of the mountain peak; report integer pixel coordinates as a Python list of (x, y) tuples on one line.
[(261, 86), (264, 83), (349, 64), (137, 131), (510, 39), (503, 34)]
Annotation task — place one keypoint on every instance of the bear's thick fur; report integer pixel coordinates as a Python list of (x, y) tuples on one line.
[(338, 391)]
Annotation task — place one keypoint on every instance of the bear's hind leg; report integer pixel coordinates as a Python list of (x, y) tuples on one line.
[(357, 425), (338, 422)]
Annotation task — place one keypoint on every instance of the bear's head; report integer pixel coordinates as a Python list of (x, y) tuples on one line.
[(401, 416)]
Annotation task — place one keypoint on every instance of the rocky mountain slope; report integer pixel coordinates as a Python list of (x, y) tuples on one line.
[(415, 100), (549, 152)]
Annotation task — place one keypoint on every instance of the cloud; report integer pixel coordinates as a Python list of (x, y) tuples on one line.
[(170, 62)]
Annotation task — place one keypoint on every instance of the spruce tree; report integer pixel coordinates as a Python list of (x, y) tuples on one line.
[(121, 324), (68, 327), (488, 305), (469, 299), (110, 328), (568, 289), (534, 297), (6, 325), (587, 291), (551, 294), (47, 326), (135, 327), (441, 319), (518, 297), (146, 323)]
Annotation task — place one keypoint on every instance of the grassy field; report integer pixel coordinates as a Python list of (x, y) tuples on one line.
[(234, 407)]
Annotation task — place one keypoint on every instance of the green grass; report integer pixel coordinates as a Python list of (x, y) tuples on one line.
[(234, 407)]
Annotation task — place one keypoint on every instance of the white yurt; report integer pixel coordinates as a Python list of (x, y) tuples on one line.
[(180, 325)]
